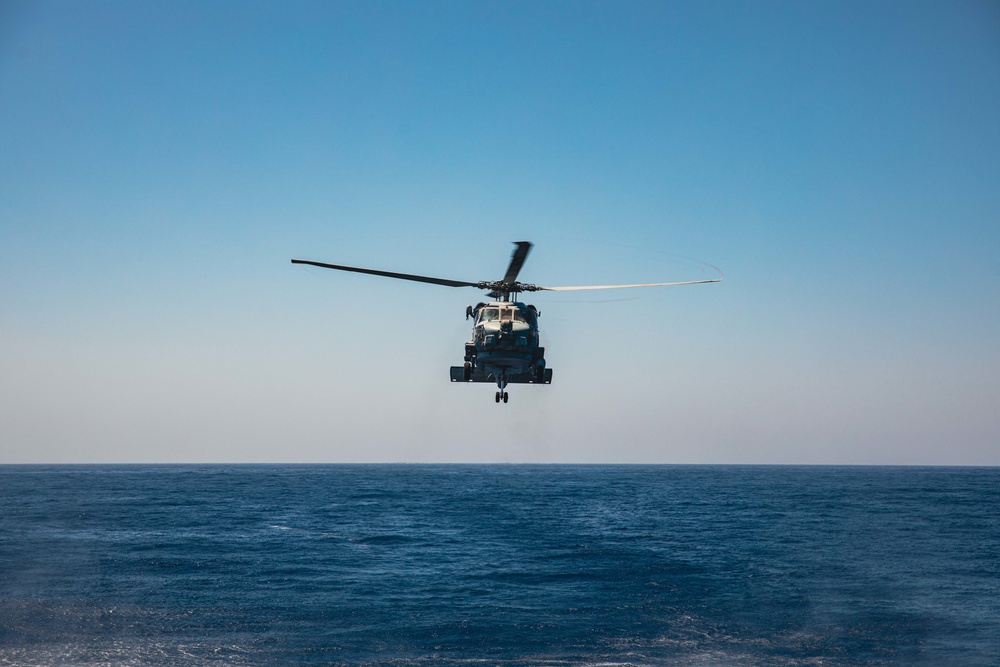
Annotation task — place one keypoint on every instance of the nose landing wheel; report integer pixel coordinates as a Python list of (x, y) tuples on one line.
[(501, 385)]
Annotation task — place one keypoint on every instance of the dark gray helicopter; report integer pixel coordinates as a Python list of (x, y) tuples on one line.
[(505, 346)]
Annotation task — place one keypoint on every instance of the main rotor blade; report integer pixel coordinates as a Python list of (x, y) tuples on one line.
[(589, 287), (390, 274), (516, 261)]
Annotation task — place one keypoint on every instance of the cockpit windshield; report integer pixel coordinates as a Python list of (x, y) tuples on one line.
[(506, 314)]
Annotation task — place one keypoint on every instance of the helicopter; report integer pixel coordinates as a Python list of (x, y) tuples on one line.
[(505, 346)]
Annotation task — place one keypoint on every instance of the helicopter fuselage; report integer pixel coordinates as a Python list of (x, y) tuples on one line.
[(505, 346)]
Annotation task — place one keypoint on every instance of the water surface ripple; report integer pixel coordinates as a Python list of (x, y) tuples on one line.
[(499, 565)]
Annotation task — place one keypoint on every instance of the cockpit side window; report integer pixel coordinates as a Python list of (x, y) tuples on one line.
[(525, 316)]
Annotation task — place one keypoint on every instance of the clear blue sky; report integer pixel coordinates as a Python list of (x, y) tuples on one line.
[(161, 162)]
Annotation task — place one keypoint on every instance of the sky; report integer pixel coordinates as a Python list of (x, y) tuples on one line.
[(161, 163)]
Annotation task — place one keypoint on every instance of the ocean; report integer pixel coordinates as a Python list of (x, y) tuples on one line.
[(545, 565)]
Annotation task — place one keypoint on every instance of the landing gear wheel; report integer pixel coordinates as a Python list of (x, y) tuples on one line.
[(498, 397), (468, 371), (505, 397)]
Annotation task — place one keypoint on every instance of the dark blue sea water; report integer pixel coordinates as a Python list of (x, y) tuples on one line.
[(499, 565)]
